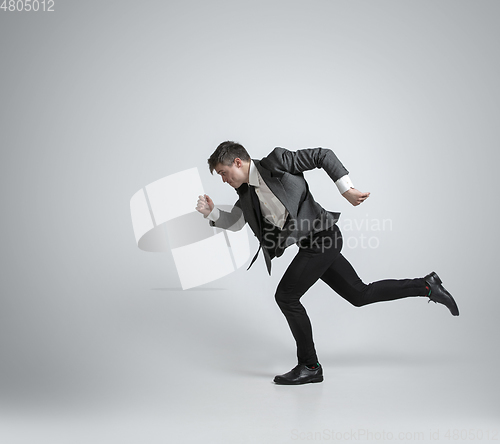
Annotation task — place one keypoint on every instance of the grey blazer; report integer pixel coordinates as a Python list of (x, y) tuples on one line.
[(282, 171)]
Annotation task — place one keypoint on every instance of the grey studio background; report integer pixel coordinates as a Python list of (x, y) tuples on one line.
[(98, 344)]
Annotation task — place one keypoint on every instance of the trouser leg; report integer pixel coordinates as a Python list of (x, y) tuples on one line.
[(342, 278), (307, 267)]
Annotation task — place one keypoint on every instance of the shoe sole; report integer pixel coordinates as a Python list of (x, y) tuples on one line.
[(284, 382)]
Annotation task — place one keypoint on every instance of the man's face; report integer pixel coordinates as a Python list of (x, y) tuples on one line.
[(234, 174)]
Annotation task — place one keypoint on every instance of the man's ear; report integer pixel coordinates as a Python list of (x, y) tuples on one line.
[(238, 162)]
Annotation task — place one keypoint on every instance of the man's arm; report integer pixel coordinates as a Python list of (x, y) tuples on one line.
[(296, 162), (232, 221), (308, 159)]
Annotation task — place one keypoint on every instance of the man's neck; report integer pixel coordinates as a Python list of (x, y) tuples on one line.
[(246, 167)]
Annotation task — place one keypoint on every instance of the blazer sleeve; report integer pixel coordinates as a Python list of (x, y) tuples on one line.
[(296, 162), (232, 221)]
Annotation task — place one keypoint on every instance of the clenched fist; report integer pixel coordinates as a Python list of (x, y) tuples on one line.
[(355, 197), (205, 205)]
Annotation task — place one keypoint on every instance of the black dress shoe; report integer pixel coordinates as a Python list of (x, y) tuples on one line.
[(300, 374), (440, 294)]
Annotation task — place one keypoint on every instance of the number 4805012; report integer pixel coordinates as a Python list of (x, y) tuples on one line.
[(28, 5)]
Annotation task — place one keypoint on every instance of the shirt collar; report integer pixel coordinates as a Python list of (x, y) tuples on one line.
[(253, 175)]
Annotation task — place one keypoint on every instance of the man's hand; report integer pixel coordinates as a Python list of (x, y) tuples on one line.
[(355, 196), (205, 205)]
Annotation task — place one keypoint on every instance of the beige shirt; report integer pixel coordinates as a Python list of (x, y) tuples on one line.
[(270, 206)]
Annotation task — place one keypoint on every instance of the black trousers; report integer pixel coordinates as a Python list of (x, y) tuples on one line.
[(319, 257)]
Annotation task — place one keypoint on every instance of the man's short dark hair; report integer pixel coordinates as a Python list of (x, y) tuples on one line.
[(225, 154)]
